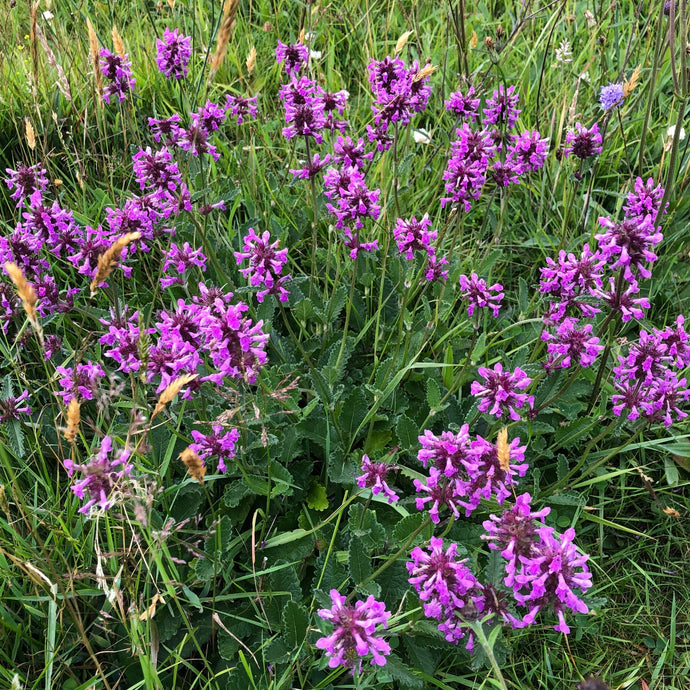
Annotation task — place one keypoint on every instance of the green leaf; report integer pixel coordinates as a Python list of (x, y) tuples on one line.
[(359, 560), (317, 499), (407, 432), (404, 675), (277, 651), (433, 394), (447, 373), (563, 467), (523, 296), (295, 623), (572, 432), (405, 527), (282, 480), (15, 437), (352, 411), (235, 492), (363, 523), (303, 310), (284, 582)]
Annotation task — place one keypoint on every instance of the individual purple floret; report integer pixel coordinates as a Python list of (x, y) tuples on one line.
[(351, 155), (514, 533), (629, 244), (124, 339), (81, 384), (354, 632), (174, 52), (241, 108), (168, 127), (117, 70), (664, 397), (195, 140), (411, 235), (334, 102), (26, 181), (506, 172), (582, 142), (611, 96), (209, 117), (218, 444), (528, 150), (353, 242), (501, 110), (266, 263), (312, 168), (623, 301), (464, 179), (449, 453), (95, 242), (677, 342), (441, 491), (294, 56), (100, 475), (463, 105), (549, 576), (180, 259), (645, 199), (11, 407), (572, 343), (354, 200), (646, 360), (499, 393), (572, 276), (477, 294), (374, 478)]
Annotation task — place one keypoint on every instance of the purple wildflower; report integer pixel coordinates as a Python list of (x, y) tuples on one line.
[(100, 475), (506, 172), (118, 70), (499, 394), (549, 576), (349, 154), (81, 382), (677, 341), (218, 444), (354, 632), (156, 169), (374, 478), (180, 259), (11, 407), (195, 140), (463, 105), (645, 199), (266, 263), (441, 491), (435, 271), (241, 108), (528, 150), (294, 56), (572, 343), (622, 300), (312, 168), (611, 96), (502, 109), (209, 117), (475, 290), (413, 235), (354, 200), (124, 337), (464, 177), (304, 109), (167, 127), (449, 453), (582, 142), (26, 181), (174, 52)]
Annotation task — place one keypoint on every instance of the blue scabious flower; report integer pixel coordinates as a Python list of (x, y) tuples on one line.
[(611, 96)]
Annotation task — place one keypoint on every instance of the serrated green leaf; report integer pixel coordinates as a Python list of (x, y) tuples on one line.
[(407, 432), (363, 523), (303, 310), (563, 467), (359, 561), (405, 527), (317, 499), (284, 582), (277, 651), (15, 437), (405, 676), (235, 492), (281, 480), (295, 623), (523, 296), (433, 394), (567, 498), (353, 410)]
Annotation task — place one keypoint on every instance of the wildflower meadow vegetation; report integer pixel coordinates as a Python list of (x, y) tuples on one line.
[(344, 345)]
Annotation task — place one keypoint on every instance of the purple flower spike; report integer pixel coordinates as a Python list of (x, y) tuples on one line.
[(81, 383), (549, 576), (572, 343), (528, 150), (354, 632), (413, 234), (611, 96), (645, 199), (476, 292), (449, 453), (312, 168), (100, 475), (582, 142), (266, 263), (374, 478), (218, 444), (499, 394), (118, 71), (463, 105), (180, 259), (294, 56), (241, 108), (174, 52), (11, 408), (502, 109), (124, 338), (26, 181)]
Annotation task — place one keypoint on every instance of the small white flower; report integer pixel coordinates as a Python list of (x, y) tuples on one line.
[(315, 54), (591, 20), (421, 136), (47, 15), (585, 76), (670, 133)]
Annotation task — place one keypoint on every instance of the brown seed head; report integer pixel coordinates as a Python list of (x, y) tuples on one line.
[(503, 449), (226, 26), (29, 132), (117, 42), (27, 294), (251, 60), (194, 464), (110, 258), (73, 418), (630, 84), (424, 72), (402, 41), (171, 390)]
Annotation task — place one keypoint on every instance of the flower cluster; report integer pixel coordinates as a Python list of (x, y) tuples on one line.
[(475, 290), (173, 54), (354, 632), (100, 475), (582, 142), (117, 69), (266, 263), (216, 444), (374, 478), (11, 407), (180, 259), (612, 96), (499, 392)]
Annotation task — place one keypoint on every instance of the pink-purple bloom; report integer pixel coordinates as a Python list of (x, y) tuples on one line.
[(573, 343), (11, 407), (79, 382), (475, 290), (117, 69), (583, 142), (26, 181), (413, 234), (499, 393), (355, 632), (100, 475), (463, 105), (180, 259), (501, 109), (216, 444), (293, 56), (241, 108), (174, 52), (266, 263), (374, 478)]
